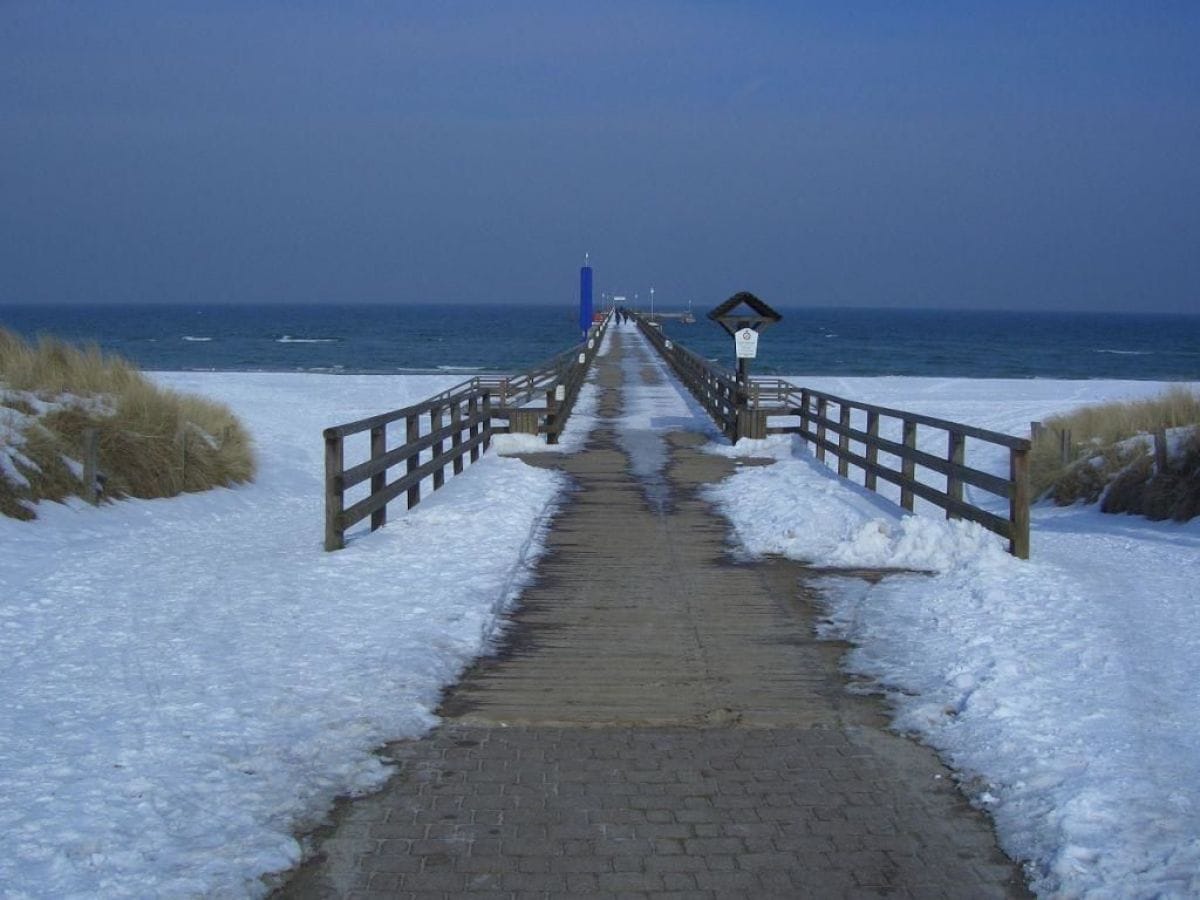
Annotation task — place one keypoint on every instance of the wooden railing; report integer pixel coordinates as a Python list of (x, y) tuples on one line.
[(746, 411), (443, 432), (459, 426), (558, 380), (851, 432)]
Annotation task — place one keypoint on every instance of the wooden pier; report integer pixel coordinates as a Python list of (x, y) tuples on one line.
[(659, 720)]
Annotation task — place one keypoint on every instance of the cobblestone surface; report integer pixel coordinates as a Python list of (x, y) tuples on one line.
[(701, 812), (660, 723)]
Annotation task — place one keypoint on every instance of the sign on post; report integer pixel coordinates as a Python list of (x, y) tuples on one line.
[(743, 316), (745, 340)]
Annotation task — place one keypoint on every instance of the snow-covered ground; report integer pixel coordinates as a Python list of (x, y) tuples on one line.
[(188, 681), (1063, 687)]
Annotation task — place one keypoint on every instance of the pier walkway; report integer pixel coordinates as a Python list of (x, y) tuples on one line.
[(661, 720)]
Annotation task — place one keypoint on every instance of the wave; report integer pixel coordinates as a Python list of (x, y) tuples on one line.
[(1125, 352), (288, 339), (460, 368), (194, 339)]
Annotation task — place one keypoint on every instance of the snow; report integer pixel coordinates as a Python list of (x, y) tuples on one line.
[(579, 424), (1060, 688), (15, 426), (189, 681)]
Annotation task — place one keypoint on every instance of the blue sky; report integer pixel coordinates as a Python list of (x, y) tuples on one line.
[(991, 155)]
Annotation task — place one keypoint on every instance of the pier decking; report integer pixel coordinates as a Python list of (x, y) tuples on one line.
[(661, 719)]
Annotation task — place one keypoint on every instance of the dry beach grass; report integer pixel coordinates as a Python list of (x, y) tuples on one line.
[(1107, 462), (151, 442)]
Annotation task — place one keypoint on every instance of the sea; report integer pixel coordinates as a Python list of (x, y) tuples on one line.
[(509, 337)]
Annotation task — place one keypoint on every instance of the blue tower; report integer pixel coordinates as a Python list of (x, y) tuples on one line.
[(585, 296)]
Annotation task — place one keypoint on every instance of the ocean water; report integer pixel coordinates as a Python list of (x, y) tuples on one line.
[(508, 337)]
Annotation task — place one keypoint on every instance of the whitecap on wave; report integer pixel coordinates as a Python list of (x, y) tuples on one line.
[(288, 339)]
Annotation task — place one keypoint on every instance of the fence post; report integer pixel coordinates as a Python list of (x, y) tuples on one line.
[(439, 446), (551, 423), (379, 479), (1018, 510), (456, 437), (335, 537), (472, 414), (91, 465), (956, 451), (412, 432), (1065, 454), (487, 420), (844, 441), (822, 410), (183, 459), (908, 468), (1160, 450), (870, 480), (805, 424)]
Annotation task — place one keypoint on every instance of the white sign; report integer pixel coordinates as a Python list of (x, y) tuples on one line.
[(746, 342)]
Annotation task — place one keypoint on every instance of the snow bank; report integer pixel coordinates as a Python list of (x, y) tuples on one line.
[(187, 681), (1062, 688)]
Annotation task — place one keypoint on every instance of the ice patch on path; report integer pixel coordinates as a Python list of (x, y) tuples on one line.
[(652, 410)]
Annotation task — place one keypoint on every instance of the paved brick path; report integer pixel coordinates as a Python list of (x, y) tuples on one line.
[(661, 722)]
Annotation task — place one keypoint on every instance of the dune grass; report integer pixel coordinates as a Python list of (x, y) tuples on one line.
[(152, 442), (1104, 448)]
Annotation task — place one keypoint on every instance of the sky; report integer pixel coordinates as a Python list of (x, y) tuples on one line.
[(1009, 155)]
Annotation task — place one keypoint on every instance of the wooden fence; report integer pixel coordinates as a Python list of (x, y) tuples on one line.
[(442, 433), (558, 380), (850, 431)]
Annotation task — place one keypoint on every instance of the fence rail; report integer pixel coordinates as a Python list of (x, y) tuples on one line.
[(444, 432), (828, 422), (850, 432)]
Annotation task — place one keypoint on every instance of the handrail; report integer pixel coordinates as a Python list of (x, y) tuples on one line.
[(818, 421), (461, 416), (466, 389), (744, 410), (785, 388)]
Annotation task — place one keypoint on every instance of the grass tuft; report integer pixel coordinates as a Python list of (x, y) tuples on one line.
[(152, 442), (1105, 453)]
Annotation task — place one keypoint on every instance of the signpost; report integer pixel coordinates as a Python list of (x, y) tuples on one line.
[(745, 317)]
